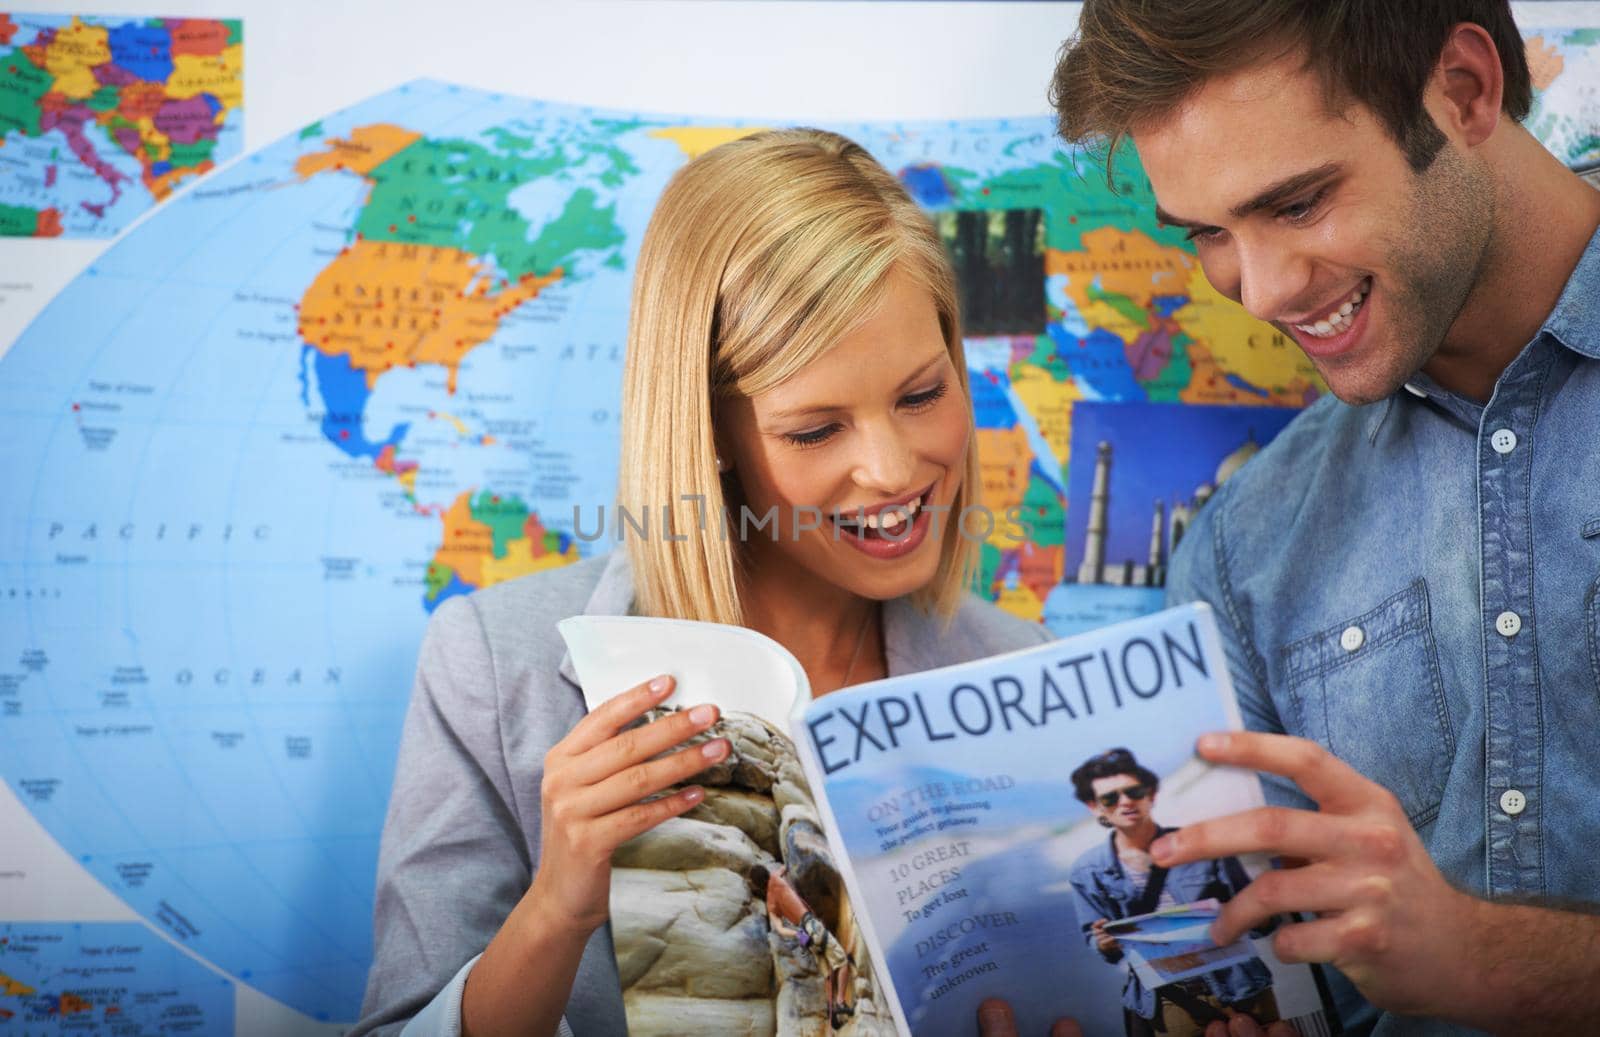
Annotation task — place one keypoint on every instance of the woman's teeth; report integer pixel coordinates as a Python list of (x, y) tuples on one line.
[(1340, 320), (889, 518)]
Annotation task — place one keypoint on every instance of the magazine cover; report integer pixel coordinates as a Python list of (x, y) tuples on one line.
[(733, 918), (997, 816)]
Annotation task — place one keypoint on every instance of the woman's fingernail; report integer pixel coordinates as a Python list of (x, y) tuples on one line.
[(661, 684), (701, 716), (694, 795), (715, 749), (1213, 743)]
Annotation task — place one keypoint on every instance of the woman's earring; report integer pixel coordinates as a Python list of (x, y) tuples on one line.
[(722, 466)]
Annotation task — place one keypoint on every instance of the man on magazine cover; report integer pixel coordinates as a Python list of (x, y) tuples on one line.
[(1406, 578), (1117, 879)]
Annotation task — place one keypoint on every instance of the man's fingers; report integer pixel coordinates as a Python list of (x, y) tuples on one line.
[(1339, 938), (995, 1019), (1243, 1026), (646, 779), (1270, 830), (615, 714), (1334, 784), (637, 744), (1317, 888)]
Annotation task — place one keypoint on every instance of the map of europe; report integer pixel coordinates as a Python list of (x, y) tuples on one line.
[(101, 118), (378, 364)]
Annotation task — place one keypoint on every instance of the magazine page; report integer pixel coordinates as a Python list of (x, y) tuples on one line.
[(733, 918), (996, 817)]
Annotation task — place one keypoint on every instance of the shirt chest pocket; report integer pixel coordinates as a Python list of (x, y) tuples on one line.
[(1369, 690)]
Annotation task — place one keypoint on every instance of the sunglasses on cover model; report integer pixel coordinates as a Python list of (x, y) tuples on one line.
[(1133, 792)]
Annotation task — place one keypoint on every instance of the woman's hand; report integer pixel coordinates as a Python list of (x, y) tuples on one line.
[(597, 781)]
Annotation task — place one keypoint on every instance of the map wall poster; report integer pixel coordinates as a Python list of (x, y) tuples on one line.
[(102, 118), (237, 487)]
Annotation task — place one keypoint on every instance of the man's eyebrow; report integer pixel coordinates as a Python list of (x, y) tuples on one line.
[(800, 412), (1270, 198)]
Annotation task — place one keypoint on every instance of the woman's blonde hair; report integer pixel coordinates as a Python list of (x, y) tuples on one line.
[(761, 255)]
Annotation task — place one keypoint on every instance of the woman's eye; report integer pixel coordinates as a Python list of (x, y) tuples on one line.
[(1204, 235), (926, 398), (812, 438)]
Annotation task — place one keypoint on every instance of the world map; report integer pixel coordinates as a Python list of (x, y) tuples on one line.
[(378, 364), (101, 118), (110, 978)]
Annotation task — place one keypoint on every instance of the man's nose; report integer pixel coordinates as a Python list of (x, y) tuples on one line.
[(1271, 278)]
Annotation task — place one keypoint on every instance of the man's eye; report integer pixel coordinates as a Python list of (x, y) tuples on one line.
[(812, 438), (1299, 212), (1204, 235)]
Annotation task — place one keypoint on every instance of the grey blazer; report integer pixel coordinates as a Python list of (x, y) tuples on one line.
[(495, 689)]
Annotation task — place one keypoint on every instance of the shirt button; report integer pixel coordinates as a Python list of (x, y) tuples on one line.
[(1504, 441), (1513, 802), (1508, 623), (1352, 638)]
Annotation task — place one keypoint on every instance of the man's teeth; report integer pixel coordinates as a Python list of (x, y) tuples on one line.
[(889, 518), (1340, 320)]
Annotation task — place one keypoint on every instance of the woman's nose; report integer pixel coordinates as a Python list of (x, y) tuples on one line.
[(887, 461)]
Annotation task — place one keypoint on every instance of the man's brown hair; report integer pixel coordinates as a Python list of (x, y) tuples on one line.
[(1135, 60)]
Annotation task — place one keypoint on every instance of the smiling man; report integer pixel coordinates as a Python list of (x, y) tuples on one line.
[(1406, 579)]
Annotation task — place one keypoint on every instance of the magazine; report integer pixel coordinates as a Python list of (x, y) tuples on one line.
[(881, 859)]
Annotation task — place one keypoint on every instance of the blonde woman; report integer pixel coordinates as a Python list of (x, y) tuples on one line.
[(796, 396)]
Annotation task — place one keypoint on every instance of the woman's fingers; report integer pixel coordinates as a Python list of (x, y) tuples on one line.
[(641, 743), (646, 779), (622, 825), (613, 715)]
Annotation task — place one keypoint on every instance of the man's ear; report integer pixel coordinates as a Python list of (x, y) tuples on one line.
[(1468, 85)]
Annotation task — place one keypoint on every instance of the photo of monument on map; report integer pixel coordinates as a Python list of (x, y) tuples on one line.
[(1141, 472), (1138, 476)]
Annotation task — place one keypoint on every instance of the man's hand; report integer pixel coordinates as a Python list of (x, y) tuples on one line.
[(1386, 916), (1107, 945), (995, 1020), (1241, 1025)]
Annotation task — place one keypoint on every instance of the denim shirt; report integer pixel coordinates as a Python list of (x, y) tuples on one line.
[(1102, 888), (1414, 585)]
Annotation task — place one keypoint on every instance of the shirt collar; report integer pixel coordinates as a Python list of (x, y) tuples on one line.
[(1575, 322), (913, 640)]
